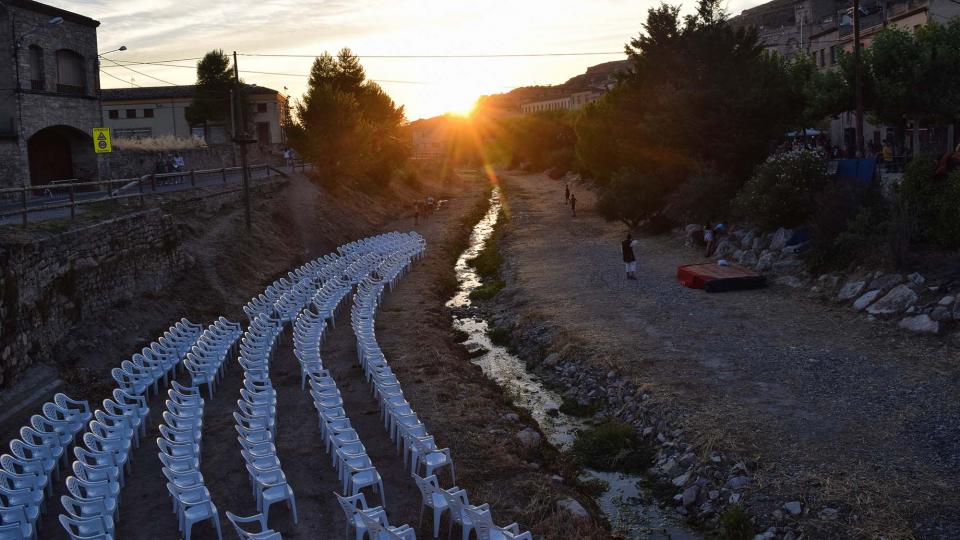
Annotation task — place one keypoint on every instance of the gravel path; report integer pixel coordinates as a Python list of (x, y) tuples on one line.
[(830, 408)]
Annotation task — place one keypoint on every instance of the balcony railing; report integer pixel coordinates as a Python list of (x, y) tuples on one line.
[(866, 22), (37, 85)]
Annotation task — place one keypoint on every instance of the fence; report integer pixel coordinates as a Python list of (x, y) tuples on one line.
[(70, 194)]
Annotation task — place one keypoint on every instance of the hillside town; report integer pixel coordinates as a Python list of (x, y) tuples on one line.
[(539, 271)]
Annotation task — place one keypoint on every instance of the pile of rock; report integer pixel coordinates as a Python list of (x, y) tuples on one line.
[(916, 304)]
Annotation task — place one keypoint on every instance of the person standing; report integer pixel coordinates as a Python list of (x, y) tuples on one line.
[(708, 237), (573, 204), (629, 256), (566, 193)]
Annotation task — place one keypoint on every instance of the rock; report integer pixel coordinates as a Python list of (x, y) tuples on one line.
[(529, 438), (692, 228), (690, 495), (681, 480), (737, 482), (551, 360), (765, 536), (790, 281), (670, 468), (738, 255), (921, 324), (749, 258), (552, 408), (956, 311), (574, 508), (787, 265), (940, 314), (796, 248), (765, 261), (828, 281), (947, 300), (511, 417), (851, 290), (828, 514), (794, 507), (735, 498), (789, 536), (713, 494), (611, 375), (780, 239), (747, 240), (557, 479), (865, 300), (724, 248), (706, 510), (897, 300), (778, 515), (886, 281), (916, 279)]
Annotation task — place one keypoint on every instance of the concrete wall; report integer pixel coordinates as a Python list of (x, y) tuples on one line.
[(49, 285), (135, 163)]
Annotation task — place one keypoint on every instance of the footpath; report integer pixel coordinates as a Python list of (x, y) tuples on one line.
[(822, 406)]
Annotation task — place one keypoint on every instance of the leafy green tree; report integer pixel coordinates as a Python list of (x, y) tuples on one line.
[(211, 99), (633, 197), (784, 190), (346, 125)]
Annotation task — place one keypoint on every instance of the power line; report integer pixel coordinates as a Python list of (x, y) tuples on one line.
[(139, 72), (503, 55), (108, 74)]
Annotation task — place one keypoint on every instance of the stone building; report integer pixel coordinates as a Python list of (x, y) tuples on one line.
[(577, 100), (161, 111), (49, 103)]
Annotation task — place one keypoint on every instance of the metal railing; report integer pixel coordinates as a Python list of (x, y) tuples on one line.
[(72, 194)]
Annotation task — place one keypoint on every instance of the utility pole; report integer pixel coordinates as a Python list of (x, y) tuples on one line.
[(240, 137), (858, 76)]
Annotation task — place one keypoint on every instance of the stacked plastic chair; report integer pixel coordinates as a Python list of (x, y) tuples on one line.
[(158, 361), (205, 362)]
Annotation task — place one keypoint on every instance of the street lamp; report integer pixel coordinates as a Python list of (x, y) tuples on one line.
[(121, 48)]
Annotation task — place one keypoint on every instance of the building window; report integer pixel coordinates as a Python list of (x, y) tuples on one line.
[(148, 113), (261, 107), (823, 62), (131, 113), (833, 54), (133, 133), (113, 114), (70, 79), (37, 75)]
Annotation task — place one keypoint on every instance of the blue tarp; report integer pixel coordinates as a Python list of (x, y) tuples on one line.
[(861, 170)]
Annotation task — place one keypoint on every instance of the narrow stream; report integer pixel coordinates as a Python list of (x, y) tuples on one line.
[(631, 510)]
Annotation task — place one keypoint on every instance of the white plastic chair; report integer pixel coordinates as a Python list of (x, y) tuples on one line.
[(431, 497), (265, 532)]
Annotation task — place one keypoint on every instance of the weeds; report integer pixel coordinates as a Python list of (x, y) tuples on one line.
[(735, 523), (499, 336), (487, 290), (573, 407), (459, 336), (612, 446)]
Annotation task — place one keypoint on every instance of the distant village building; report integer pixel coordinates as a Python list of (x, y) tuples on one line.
[(161, 111), (48, 94), (572, 102), (823, 28)]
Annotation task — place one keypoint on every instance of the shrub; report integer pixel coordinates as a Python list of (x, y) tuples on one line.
[(499, 336), (704, 198), (487, 290), (783, 190), (633, 196), (612, 446), (933, 202)]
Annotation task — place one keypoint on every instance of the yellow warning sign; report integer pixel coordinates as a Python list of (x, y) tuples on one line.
[(101, 141)]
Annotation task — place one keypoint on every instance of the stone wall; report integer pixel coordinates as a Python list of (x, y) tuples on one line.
[(136, 163), (48, 285)]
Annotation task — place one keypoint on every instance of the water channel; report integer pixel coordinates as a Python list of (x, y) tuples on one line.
[(631, 510)]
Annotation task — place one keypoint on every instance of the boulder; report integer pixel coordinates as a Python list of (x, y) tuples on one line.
[(790, 281), (828, 281), (865, 300), (780, 239), (897, 300), (551, 360), (529, 438), (851, 290), (794, 507), (737, 482), (947, 300), (725, 248), (758, 244), (787, 265), (749, 258), (921, 324), (690, 495), (916, 279), (941, 314), (765, 261), (738, 255), (956, 311), (886, 281), (747, 240), (574, 508)]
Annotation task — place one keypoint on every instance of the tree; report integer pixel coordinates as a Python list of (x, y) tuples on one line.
[(346, 125), (633, 197), (211, 98)]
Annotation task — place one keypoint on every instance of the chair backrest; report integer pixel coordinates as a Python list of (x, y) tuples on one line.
[(482, 522), (262, 534), (428, 486), (85, 528)]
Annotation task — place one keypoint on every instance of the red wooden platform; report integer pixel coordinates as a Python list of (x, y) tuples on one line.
[(712, 277)]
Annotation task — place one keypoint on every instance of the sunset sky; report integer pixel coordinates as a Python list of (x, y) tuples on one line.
[(165, 30)]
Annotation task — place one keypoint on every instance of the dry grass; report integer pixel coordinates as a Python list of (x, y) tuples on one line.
[(159, 144)]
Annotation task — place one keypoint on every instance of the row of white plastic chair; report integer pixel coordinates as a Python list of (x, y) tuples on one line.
[(205, 361), (402, 422), (256, 420), (158, 361)]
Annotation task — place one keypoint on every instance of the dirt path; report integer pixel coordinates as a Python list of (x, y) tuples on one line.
[(463, 410), (829, 407)]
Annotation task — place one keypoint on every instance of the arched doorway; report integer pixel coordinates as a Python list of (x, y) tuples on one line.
[(60, 153)]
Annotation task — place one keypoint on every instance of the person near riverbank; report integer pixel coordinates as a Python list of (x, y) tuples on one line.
[(708, 238), (629, 256), (566, 194), (416, 213), (573, 204)]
